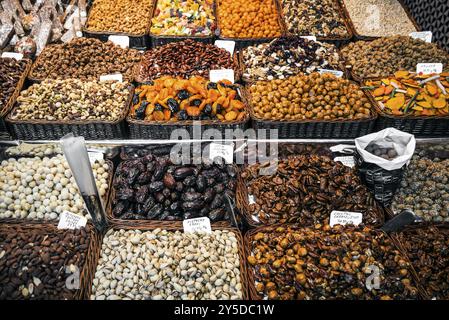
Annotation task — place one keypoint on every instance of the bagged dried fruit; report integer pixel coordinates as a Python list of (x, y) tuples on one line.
[(408, 93), (183, 18), (322, 97), (177, 99)]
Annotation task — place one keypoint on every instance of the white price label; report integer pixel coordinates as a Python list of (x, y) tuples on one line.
[(429, 68), (227, 45), (197, 225), (122, 41), (346, 160), (14, 55), (95, 156), (222, 74), (313, 38), (336, 73), (345, 217), (251, 199), (225, 151), (342, 148), (423, 35), (69, 220), (114, 77)]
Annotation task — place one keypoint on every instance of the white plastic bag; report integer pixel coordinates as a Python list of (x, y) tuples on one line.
[(404, 144)]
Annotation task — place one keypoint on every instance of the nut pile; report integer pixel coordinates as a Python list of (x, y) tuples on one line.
[(36, 262), (288, 56), (86, 59), (188, 18), (185, 58), (10, 72), (427, 250), (166, 265), (42, 188), (379, 18), (304, 190), (328, 263), (72, 100), (154, 188), (128, 16), (321, 97), (383, 57), (425, 189), (240, 19), (33, 150), (379, 151), (177, 99), (322, 18), (411, 93)]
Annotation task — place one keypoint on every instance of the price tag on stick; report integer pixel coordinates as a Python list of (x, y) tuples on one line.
[(336, 73), (312, 38), (14, 55), (122, 41), (345, 217), (227, 45), (225, 151), (69, 220), (114, 77), (197, 225), (423, 35), (222, 74), (346, 160), (429, 68)]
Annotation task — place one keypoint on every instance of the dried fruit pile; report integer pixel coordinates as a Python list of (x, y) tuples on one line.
[(10, 72), (176, 99), (183, 18), (305, 189), (154, 188), (328, 263), (408, 93)]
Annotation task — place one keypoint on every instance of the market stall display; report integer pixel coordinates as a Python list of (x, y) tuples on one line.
[(85, 59), (287, 56), (379, 18), (318, 263), (154, 188), (130, 18), (323, 18), (42, 188), (297, 104), (135, 263), (172, 20), (93, 109), (37, 261), (185, 59), (304, 190), (384, 56)]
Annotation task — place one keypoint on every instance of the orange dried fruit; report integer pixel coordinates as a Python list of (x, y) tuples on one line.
[(167, 114), (439, 103), (379, 92), (236, 104), (425, 104), (396, 102), (158, 115), (411, 91), (388, 89), (401, 74), (193, 111), (431, 89), (231, 115), (149, 110)]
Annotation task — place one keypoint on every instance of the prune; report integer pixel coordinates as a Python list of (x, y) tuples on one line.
[(209, 195), (201, 183), (144, 178), (155, 211), (174, 196), (212, 173), (140, 112), (150, 166), (190, 214), (195, 103), (175, 206), (167, 203), (183, 94), (142, 194), (207, 109), (166, 192), (217, 214), (191, 196), (169, 181), (193, 205), (219, 188), (217, 202), (182, 115), (179, 186), (149, 203), (212, 85), (132, 175), (173, 105), (189, 181), (158, 107), (165, 214), (159, 197), (156, 186), (205, 211), (135, 98), (119, 208), (183, 172), (125, 194)]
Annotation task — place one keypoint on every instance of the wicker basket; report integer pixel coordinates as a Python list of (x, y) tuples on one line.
[(241, 43), (12, 99), (336, 40), (398, 239), (89, 263), (420, 126), (136, 41), (122, 222), (361, 37), (243, 205), (105, 200), (54, 130), (141, 129), (169, 226), (160, 40), (337, 129)]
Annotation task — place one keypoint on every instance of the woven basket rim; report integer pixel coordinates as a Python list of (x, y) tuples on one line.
[(121, 33), (172, 227), (362, 37), (244, 206), (372, 117), (122, 116), (281, 24), (328, 37), (12, 98)]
